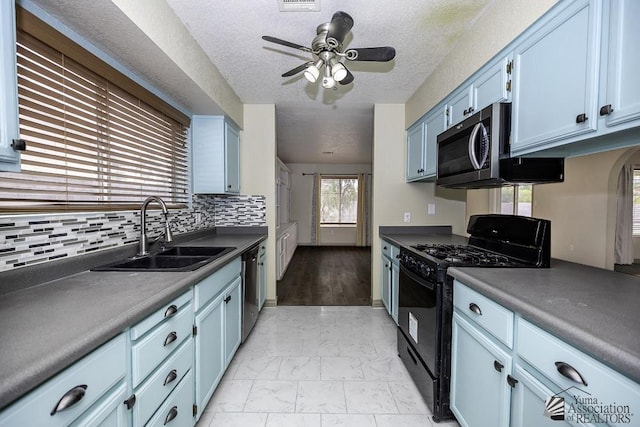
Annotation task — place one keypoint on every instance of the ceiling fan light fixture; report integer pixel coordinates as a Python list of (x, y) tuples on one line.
[(313, 72), (338, 71), (328, 81)]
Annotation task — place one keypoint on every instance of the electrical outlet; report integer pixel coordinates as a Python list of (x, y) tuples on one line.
[(431, 209), (407, 217)]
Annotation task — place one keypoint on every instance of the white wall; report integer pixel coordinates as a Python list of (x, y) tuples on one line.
[(392, 196), (258, 171), (301, 195)]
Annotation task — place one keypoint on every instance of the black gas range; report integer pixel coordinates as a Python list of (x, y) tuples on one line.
[(426, 292)]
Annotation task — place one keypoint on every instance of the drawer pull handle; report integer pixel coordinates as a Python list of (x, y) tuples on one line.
[(170, 338), (497, 366), (570, 372), (70, 398), (171, 311), (227, 299), (173, 412), (131, 401), (171, 377), (475, 308)]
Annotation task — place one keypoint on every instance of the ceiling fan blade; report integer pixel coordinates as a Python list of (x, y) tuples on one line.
[(378, 54), (285, 43), (347, 79), (298, 69), (341, 24)]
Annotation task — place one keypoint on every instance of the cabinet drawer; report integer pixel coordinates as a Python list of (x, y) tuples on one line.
[(214, 284), (390, 251), (496, 319), (550, 356), (177, 410), (153, 391), (150, 351), (169, 310), (97, 373)]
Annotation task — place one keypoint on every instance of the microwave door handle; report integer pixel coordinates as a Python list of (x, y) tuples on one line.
[(479, 127)]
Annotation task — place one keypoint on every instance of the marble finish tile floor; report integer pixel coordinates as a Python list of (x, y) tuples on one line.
[(318, 366)]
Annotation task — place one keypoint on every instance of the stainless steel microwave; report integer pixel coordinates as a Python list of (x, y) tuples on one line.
[(476, 153)]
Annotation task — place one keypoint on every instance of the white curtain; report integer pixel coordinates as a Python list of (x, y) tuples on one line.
[(624, 220), (362, 223), (315, 210)]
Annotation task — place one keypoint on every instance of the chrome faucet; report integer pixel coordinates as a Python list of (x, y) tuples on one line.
[(144, 242)]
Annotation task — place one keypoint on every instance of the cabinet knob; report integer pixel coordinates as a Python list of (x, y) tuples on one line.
[(605, 110), (497, 366), (475, 308), (581, 118), (170, 338), (70, 398), (227, 299), (131, 401), (511, 381), (570, 372)]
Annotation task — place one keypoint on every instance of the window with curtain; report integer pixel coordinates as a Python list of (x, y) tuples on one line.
[(338, 201), (96, 140), (516, 199), (636, 202)]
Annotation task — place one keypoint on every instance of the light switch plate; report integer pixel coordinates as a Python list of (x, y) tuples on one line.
[(431, 209), (407, 217)]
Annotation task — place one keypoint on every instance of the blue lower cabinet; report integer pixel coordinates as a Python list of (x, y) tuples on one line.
[(177, 410), (480, 393), (108, 412), (209, 351), (232, 320)]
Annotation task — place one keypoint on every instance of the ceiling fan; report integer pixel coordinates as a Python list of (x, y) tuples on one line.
[(328, 53)]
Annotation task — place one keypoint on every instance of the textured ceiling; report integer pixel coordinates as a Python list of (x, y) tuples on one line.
[(310, 120)]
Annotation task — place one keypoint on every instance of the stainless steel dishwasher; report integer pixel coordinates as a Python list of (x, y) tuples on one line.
[(249, 290)]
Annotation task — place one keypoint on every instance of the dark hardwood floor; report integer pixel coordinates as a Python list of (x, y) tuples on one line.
[(327, 275)]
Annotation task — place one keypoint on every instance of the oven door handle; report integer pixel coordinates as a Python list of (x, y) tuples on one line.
[(419, 280)]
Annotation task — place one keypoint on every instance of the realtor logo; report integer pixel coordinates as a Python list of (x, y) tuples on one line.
[(554, 408)]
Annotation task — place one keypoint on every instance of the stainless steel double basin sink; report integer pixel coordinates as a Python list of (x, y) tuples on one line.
[(175, 259)]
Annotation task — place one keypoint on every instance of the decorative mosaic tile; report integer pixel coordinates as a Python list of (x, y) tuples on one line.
[(31, 239)]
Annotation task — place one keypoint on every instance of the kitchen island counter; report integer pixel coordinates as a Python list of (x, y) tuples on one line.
[(48, 326)]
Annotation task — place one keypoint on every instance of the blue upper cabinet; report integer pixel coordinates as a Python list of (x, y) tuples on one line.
[(9, 158), (459, 104), (415, 151), (620, 102), (216, 155), (493, 83), (556, 75)]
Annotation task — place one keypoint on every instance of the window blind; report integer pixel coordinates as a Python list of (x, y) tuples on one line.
[(90, 144), (636, 202)]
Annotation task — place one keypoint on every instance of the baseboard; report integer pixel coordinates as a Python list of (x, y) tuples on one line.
[(270, 303), (377, 303)]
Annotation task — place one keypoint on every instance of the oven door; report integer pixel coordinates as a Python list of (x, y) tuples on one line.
[(419, 317)]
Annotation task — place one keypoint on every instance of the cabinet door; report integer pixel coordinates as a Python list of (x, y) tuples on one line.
[(528, 404), (232, 320), (493, 84), (556, 74), (459, 105), (262, 277), (232, 159), (108, 412), (435, 124), (480, 394), (415, 153), (395, 294), (385, 290), (209, 350), (623, 84), (9, 159)]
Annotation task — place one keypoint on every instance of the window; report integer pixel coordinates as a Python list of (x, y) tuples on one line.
[(338, 200), (516, 200), (96, 140), (636, 202)]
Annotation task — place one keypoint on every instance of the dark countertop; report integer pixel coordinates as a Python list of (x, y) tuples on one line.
[(51, 325), (592, 309)]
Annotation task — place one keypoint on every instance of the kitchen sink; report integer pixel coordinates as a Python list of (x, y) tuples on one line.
[(179, 258)]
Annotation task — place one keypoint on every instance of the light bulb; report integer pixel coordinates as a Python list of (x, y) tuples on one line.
[(312, 73), (339, 71)]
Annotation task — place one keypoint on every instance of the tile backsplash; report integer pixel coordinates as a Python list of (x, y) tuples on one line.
[(31, 239)]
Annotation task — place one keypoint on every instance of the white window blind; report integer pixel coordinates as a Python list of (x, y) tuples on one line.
[(636, 202), (90, 144)]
